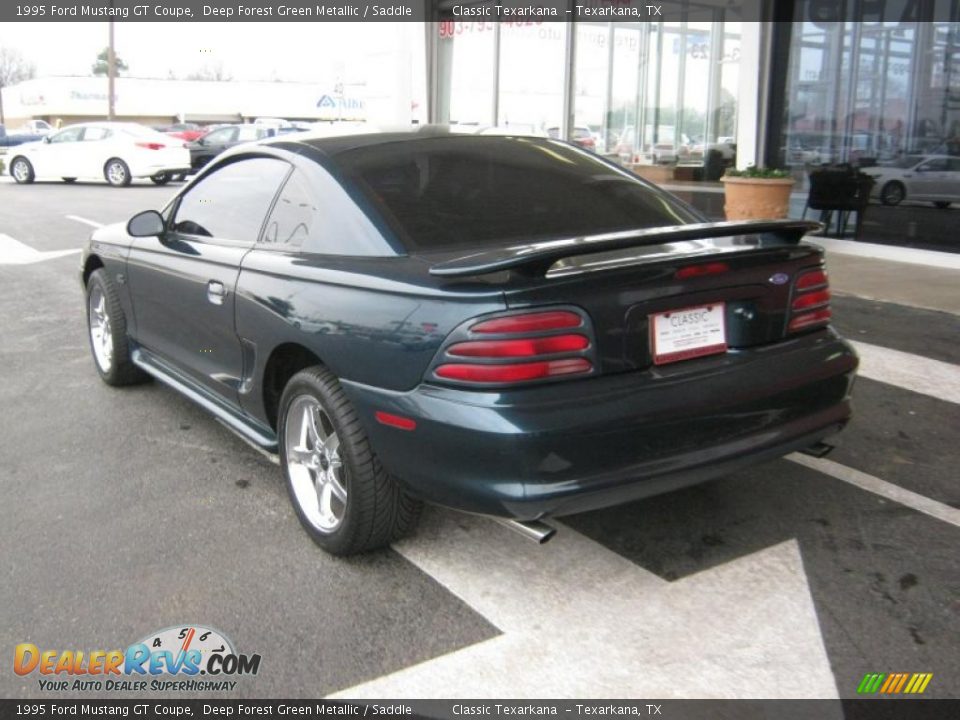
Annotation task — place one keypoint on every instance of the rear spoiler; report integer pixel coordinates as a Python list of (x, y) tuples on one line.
[(540, 256)]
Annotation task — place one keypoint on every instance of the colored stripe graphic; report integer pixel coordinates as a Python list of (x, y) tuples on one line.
[(894, 683)]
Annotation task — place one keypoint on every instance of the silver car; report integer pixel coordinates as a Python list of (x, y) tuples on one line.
[(930, 178)]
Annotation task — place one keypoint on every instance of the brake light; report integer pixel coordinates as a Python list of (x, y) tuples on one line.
[(532, 322), (714, 268), (150, 145), (811, 301), (527, 347), (518, 348)]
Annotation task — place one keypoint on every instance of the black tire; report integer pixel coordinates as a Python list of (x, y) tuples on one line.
[(942, 204), (161, 178), (180, 177), (377, 510), (69, 180), (22, 171), (893, 193), (116, 172), (119, 369)]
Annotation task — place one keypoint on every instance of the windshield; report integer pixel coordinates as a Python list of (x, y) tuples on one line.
[(458, 192)]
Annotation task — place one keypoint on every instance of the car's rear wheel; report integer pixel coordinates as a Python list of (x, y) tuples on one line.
[(893, 193), (161, 178), (116, 172), (942, 204), (107, 330), (69, 180), (343, 497), (22, 171)]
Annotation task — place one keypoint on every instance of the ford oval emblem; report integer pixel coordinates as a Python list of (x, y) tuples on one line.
[(779, 278)]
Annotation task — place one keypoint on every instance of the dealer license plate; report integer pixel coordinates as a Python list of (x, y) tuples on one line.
[(688, 333)]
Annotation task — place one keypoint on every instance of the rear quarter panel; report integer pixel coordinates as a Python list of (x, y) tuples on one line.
[(374, 320)]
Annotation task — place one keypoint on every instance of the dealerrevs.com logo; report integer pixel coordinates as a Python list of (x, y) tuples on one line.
[(184, 658)]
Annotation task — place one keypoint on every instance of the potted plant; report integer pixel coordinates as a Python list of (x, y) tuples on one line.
[(756, 193)]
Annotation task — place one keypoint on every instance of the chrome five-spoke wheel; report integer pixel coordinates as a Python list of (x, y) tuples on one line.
[(317, 474), (101, 335)]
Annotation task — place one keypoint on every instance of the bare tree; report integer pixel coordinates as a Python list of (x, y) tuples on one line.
[(214, 71), (14, 68)]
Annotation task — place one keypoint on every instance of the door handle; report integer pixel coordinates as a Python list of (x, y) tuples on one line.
[(216, 292)]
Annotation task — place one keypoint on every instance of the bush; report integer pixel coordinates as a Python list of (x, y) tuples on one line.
[(753, 172)]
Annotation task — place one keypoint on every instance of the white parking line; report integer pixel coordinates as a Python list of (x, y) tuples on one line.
[(897, 494), (85, 221), (580, 620), (912, 372), (912, 256), (14, 252)]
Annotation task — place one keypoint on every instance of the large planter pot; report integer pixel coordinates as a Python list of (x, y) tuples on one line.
[(756, 198), (657, 174)]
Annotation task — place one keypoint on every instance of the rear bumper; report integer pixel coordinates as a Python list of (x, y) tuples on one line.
[(581, 445)]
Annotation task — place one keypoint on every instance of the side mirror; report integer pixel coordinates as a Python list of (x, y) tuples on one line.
[(149, 223)]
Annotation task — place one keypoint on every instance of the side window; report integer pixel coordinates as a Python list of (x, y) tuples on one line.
[(68, 135), (221, 136), (96, 133), (295, 213), (934, 165), (231, 203)]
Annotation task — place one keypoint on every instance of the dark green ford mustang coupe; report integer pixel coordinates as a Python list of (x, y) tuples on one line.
[(509, 326)]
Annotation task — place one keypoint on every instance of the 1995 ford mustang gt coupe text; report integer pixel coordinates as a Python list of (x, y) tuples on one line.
[(503, 325)]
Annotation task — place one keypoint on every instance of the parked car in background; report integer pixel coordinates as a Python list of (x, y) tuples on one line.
[(666, 149), (930, 178), (115, 151), (205, 148), (184, 131), (582, 136), (507, 326), (10, 139), (36, 127)]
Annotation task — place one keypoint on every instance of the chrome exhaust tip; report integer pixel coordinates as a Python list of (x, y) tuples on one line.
[(535, 530), (818, 449)]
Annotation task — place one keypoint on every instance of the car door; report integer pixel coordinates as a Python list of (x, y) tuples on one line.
[(929, 179), (58, 157), (91, 153), (182, 283), (211, 145)]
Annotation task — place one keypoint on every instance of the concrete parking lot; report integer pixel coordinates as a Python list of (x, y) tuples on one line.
[(127, 511)]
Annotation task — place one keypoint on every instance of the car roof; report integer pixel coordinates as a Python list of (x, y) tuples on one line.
[(333, 145)]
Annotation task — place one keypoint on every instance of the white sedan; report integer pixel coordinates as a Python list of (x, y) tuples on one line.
[(115, 151), (931, 178)]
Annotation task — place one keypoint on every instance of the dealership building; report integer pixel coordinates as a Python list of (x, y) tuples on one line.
[(811, 82)]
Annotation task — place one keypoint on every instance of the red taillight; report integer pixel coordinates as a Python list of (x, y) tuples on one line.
[(810, 280), (810, 306), (514, 372), (526, 347), (531, 322), (810, 319), (714, 268), (518, 348), (151, 145), (811, 299)]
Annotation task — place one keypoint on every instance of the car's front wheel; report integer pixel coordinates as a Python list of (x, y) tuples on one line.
[(343, 497), (107, 330), (942, 204), (116, 172), (22, 171)]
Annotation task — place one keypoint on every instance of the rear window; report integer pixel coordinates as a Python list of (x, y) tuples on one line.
[(455, 192)]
